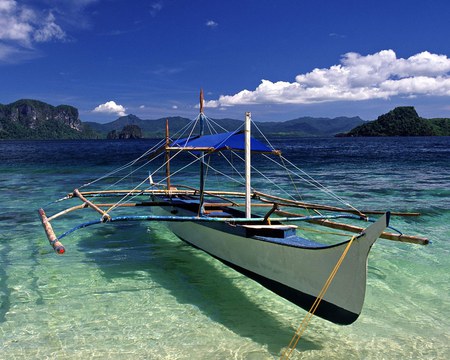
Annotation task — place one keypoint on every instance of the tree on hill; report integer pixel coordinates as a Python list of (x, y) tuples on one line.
[(402, 121)]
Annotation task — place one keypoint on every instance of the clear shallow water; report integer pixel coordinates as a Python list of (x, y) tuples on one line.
[(139, 293)]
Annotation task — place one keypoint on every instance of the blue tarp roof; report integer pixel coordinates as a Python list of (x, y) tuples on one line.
[(230, 140)]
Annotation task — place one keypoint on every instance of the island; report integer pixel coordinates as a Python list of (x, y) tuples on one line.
[(37, 120), (402, 121)]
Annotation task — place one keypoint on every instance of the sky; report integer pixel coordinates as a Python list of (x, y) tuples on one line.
[(279, 59)]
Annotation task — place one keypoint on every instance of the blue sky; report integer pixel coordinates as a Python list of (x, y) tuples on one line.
[(279, 59)]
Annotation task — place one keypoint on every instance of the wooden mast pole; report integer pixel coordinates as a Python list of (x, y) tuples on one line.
[(202, 100), (167, 155)]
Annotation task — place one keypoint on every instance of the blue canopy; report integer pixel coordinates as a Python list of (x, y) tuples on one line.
[(234, 140)]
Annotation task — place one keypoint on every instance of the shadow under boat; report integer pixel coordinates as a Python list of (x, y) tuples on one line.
[(190, 276)]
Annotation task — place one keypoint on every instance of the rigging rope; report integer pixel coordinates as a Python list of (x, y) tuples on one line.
[(301, 329), (313, 182)]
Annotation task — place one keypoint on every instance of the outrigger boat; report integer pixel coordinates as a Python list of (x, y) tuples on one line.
[(258, 233)]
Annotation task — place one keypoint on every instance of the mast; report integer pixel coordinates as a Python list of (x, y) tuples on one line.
[(248, 189), (202, 99), (167, 155), (202, 154)]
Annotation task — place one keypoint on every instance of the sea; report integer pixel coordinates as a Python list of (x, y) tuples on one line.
[(134, 291)]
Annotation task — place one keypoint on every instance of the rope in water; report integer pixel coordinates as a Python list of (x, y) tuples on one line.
[(301, 329)]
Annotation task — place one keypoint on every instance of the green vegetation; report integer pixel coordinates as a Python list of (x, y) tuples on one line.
[(402, 121), (33, 119)]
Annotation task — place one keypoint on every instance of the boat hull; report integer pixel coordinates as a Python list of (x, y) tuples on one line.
[(293, 268)]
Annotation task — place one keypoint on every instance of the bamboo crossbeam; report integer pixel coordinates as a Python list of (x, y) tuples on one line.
[(66, 211), (294, 203), (137, 191), (149, 203), (191, 148), (303, 205), (52, 239), (105, 215), (385, 235), (158, 192), (357, 229)]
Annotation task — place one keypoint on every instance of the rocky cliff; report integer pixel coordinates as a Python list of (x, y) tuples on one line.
[(32, 119), (128, 132)]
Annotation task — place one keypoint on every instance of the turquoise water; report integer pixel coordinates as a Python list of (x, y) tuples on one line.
[(136, 292)]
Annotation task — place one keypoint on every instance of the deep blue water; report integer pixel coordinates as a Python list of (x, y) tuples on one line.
[(137, 292)]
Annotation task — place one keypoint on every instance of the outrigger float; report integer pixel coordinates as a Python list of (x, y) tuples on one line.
[(258, 233)]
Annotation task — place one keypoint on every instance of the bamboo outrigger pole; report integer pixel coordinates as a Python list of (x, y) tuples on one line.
[(52, 239)]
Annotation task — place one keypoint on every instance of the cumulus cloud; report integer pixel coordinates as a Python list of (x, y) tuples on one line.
[(110, 107), (376, 76)]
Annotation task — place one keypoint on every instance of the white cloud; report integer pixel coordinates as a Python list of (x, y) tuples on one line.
[(7, 5), (19, 23), (21, 27), (376, 76), (211, 24), (49, 30), (110, 107)]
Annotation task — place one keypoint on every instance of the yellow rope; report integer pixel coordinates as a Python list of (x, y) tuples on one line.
[(301, 329)]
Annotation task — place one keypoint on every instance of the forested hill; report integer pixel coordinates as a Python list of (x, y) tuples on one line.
[(402, 121), (304, 126), (32, 119)]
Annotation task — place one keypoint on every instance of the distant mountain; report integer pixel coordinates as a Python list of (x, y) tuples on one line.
[(150, 128), (32, 119), (304, 126), (128, 132), (402, 121), (310, 126)]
